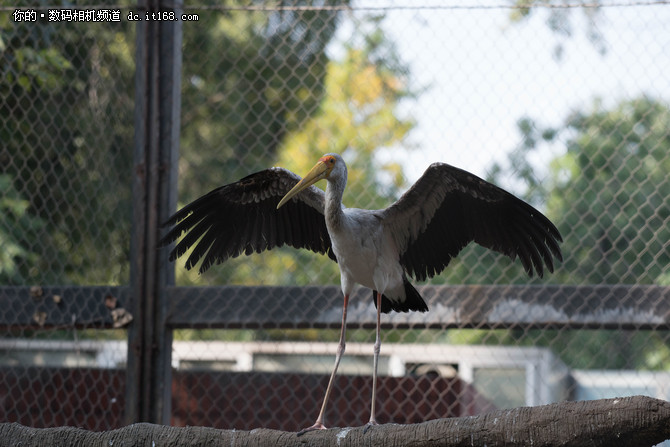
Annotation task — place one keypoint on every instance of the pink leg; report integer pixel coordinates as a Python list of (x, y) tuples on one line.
[(318, 425), (378, 345)]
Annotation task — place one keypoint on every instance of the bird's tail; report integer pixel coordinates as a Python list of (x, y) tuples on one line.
[(413, 300)]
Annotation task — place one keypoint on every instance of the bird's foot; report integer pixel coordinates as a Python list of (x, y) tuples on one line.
[(369, 424), (317, 426)]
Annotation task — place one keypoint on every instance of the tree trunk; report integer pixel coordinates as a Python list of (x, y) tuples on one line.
[(630, 421)]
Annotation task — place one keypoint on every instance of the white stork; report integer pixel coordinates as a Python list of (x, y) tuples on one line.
[(417, 236)]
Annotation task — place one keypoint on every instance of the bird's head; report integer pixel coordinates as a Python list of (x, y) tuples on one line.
[(327, 165)]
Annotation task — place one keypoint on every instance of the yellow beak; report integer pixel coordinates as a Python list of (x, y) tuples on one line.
[(318, 172)]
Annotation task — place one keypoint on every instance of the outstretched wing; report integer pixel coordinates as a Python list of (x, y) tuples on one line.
[(447, 208), (242, 218)]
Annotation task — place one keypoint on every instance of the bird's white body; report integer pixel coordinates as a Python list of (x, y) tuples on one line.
[(366, 254)]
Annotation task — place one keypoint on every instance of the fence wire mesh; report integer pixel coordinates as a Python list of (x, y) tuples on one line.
[(564, 105)]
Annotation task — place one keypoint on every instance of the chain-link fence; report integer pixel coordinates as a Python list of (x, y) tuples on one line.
[(565, 105), (66, 131)]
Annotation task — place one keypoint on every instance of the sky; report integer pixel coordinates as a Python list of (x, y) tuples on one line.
[(482, 73)]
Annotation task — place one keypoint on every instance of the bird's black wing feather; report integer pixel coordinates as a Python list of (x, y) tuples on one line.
[(447, 208), (241, 218)]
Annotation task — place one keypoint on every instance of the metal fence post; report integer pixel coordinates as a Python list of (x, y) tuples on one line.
[(157, 122)]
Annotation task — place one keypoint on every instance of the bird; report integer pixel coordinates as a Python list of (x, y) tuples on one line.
[(416, 237)]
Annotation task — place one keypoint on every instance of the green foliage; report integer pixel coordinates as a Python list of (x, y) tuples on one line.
[(610, 191), (609, 195), (14, 221), (66, 127)]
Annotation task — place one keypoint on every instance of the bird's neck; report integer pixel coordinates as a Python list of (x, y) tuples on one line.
[(334, 213)]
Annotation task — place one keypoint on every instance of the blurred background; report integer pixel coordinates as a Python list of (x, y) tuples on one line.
[(564, 104)]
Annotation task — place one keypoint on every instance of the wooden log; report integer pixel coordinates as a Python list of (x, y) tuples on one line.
[(630, 421)]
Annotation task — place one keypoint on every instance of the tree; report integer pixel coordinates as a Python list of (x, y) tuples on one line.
[(612, 189), (66, 128), (66, 122), (608, 194), (609, 190)]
